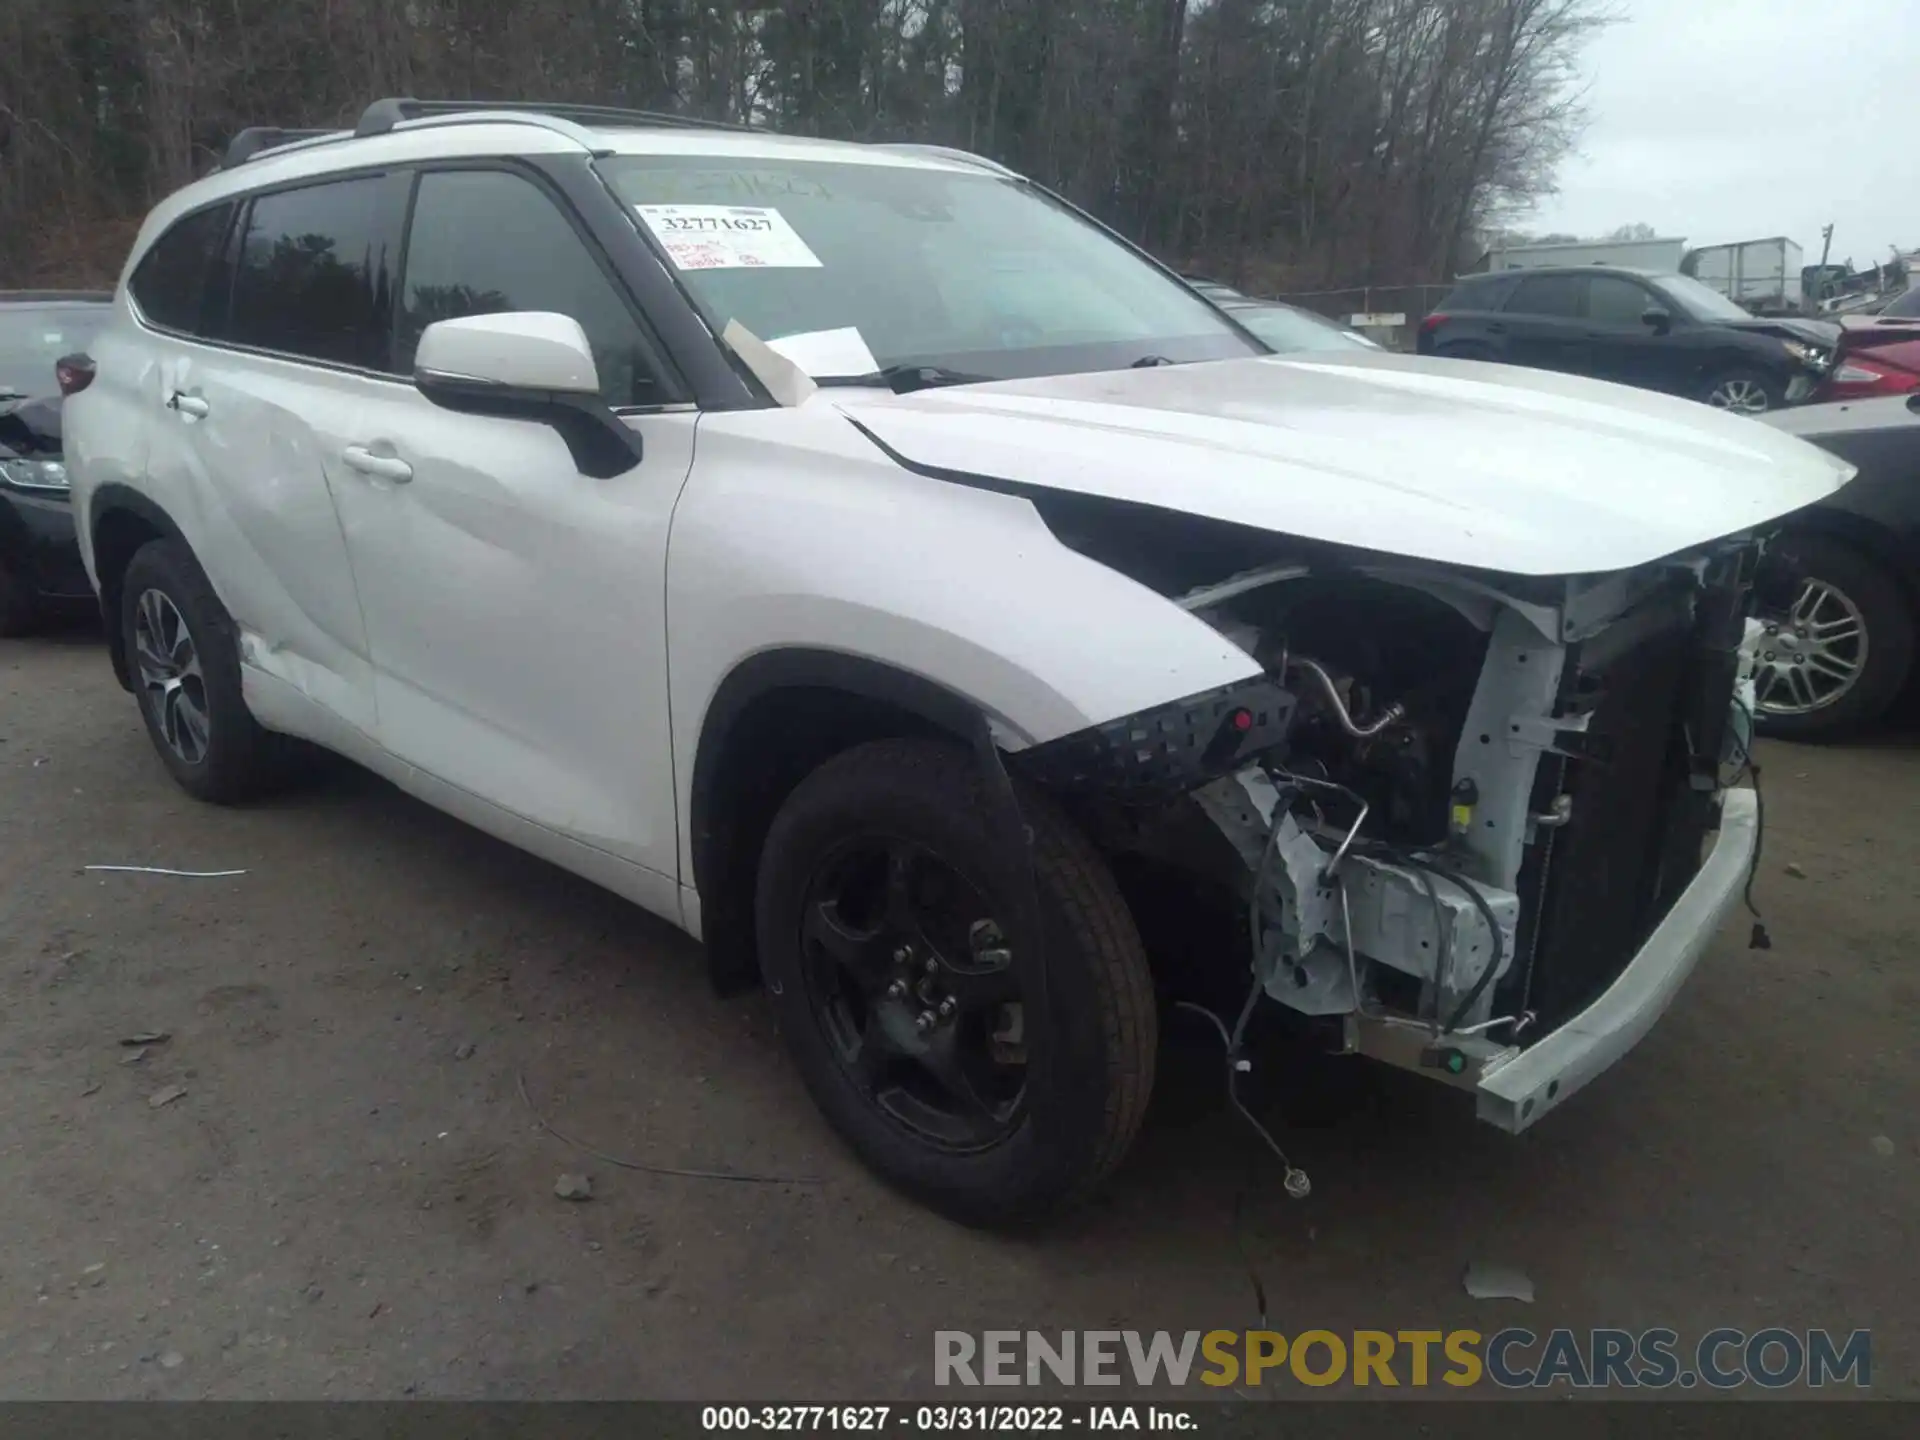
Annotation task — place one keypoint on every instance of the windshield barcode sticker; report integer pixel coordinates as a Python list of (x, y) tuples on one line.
[(727, 237)]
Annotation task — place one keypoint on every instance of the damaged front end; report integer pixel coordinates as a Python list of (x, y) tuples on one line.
[(1476, 826)]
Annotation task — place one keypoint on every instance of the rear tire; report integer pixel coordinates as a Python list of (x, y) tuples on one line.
[(183, 653), (1467, 350), (1086, 1057), (19, 605), (1885, 615)]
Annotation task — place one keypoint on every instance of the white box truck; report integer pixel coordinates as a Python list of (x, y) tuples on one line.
[(1761, 276), (1661, 255)]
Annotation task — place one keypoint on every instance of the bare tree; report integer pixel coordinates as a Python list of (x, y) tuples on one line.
[(1283, 141)]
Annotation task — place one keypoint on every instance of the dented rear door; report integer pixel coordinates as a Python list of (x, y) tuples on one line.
[(247, 452)]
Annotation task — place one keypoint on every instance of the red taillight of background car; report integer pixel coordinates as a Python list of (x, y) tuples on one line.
[(74, 373), (1890, 370), (1433, 322)]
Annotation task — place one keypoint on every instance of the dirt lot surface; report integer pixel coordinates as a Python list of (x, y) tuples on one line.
[(352, 1197)]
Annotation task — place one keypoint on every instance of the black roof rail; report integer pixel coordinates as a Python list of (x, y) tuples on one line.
[(257, 138), (382, 115)]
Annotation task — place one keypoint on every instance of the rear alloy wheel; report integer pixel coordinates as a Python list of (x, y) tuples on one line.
[(1837, 657), (172, 684), (184, 656), (1744, 392), (890, 935)]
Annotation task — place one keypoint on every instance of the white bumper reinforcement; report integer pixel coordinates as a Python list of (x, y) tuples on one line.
[(1514, 1092)]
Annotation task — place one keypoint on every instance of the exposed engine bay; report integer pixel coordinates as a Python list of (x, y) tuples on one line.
[(1346, 834), (1457, 805)]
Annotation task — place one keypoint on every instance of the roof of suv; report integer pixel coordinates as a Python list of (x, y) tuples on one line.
[(396, 131)]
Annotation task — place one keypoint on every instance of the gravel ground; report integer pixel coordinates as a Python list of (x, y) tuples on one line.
[(352, 1197)]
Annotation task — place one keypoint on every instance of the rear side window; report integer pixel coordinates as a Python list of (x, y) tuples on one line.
[(172, 282), (485, 241), (1480, 292), (311, 277), (1613, 301), (1558, 295)]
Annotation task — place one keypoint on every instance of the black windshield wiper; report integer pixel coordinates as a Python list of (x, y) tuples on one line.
[(1150, 362), (904, 379)]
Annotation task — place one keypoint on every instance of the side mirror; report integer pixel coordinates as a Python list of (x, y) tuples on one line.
[(1657, 318), (527, 365), (73, 373)]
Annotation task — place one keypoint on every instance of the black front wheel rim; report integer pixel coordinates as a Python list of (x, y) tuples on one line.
[(913, 984)]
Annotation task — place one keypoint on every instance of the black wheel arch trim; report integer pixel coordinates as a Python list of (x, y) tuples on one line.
[(718, 876), (122, 499), (807, 668), (1873, 542)]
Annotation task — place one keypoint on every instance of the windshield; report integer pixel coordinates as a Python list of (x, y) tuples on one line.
[(851, 268), (1696, 299), (1288, 330), (1905, 305), (32, 337)]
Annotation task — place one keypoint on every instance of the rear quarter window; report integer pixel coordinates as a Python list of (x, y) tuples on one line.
[(176, 278)]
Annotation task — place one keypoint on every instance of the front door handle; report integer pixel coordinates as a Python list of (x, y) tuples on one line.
[(1496, 328), (189, 405), (383, 467)]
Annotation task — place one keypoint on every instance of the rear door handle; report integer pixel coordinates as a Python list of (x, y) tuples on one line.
[(383, 467), (189, 405), (1496, 328)]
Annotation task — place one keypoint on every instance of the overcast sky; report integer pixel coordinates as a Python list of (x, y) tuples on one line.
[(1720, 120)]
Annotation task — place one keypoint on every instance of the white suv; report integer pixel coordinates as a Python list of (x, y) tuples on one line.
[(862, 559)]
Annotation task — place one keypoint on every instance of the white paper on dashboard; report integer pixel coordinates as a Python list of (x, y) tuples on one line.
[(728, 237), (827, 352)]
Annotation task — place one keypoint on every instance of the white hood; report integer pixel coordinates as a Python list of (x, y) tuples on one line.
[(1522, 471)]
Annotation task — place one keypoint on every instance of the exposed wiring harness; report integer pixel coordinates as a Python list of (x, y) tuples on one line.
[(1749, 769), (1297, 1184), (1493, 966), (1233, 1038), (1424, 866)]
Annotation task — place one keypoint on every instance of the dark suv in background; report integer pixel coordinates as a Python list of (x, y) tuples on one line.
[(44, 336), (1634, 327)]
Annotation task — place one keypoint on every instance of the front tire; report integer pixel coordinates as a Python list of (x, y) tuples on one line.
[(887, 931), (1841, 653), (184, 655), (1744, 392)]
